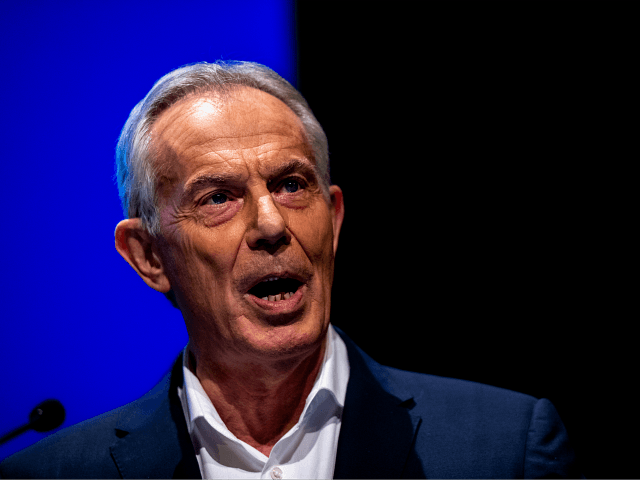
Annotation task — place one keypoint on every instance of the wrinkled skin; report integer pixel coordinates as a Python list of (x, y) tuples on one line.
[(240, 200)]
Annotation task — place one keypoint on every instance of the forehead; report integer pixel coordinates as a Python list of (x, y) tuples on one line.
[(203, 128)]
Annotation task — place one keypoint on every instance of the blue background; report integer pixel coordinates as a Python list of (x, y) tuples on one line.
[(506, 131), (77, 323)]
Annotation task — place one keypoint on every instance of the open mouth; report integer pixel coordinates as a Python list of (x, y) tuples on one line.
[(275, 289)]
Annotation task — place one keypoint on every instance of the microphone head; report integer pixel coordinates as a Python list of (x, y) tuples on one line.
[(47, 416)]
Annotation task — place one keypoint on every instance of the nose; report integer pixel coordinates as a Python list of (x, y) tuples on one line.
[(269, 226)]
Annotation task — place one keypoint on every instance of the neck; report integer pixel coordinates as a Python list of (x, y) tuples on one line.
[(260, 402)]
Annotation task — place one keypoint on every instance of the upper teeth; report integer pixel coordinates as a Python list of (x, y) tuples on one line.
[(278, 297)]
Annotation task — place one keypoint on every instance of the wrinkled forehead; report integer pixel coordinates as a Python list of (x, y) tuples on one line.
[(232, 107), (241, 118)]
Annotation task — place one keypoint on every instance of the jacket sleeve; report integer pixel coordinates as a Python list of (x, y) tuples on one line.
[(548, 452)]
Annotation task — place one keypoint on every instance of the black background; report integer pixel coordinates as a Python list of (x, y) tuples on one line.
[(482, 152)]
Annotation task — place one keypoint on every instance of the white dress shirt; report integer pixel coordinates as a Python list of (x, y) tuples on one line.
[(308, 450)]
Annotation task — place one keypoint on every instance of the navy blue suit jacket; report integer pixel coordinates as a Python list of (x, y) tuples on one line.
[(395, 424)]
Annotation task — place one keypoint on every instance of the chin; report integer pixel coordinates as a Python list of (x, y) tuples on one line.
[(283, 340)]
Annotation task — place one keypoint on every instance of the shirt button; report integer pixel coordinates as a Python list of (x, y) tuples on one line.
[(276, 473)]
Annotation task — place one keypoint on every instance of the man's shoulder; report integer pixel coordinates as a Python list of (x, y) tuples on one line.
[(81, 450), (52, 456), (467, 429), (452, 401), (462, 405), (434, 390), (459, 428)]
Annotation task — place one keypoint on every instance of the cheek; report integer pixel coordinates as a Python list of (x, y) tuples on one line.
[(313, 230), (202, 259), (188, 269)]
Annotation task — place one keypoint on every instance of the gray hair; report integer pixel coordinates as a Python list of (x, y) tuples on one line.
[(136, 170)]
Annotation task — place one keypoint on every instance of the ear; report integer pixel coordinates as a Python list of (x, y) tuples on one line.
[(136, 246), (337, 213)]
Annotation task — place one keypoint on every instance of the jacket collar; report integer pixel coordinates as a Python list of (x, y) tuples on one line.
[(153, 441), (375, 440), (378, 426)]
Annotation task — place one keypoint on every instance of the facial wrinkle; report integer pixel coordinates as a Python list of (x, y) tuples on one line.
[(256, 141)]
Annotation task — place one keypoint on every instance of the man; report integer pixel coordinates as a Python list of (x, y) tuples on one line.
[(224, 176)]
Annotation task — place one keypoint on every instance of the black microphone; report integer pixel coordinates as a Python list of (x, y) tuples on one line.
[(46, 416)]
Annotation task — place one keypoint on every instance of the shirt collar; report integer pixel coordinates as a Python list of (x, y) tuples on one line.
[(331, 383)]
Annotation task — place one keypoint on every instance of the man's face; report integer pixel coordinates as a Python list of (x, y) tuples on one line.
[(241, 205)]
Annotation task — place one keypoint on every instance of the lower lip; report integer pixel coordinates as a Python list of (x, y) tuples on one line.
[(281, 306)]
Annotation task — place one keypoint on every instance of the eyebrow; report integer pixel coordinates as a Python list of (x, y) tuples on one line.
[(208, 180), (290, 166), (211, 180)]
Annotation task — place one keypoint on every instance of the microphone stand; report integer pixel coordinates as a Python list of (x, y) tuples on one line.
[(15, 433), (46, 416)]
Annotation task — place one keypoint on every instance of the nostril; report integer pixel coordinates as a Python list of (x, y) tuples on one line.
[(283, 240)]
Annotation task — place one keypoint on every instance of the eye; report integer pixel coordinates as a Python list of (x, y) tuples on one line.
[(217, 198), (291, 185)]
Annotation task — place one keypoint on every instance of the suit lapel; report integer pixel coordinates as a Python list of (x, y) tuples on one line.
[(375, 440), (154, 442), (378, 427)]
